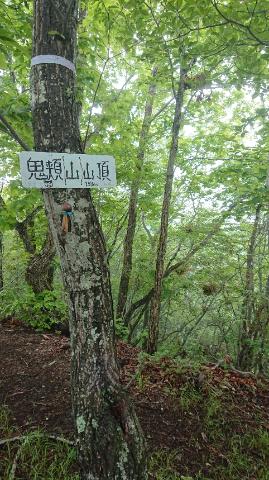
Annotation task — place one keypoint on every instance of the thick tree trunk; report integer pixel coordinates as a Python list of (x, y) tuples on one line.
[(153, 331), (132, 213), (109, 440), (249, 324)]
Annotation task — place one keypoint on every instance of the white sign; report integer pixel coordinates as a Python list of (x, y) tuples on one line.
[(66, 170)]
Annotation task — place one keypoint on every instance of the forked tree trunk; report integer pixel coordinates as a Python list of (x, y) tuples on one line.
[(154, 318), (109, 439), (132, 212), (40, 269)]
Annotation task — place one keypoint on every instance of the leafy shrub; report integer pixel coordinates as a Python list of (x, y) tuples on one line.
[(41, 311)]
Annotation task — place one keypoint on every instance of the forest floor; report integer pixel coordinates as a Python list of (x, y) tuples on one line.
[(205, 423)]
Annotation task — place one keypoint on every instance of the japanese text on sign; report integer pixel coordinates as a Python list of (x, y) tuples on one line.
[(66, 170)]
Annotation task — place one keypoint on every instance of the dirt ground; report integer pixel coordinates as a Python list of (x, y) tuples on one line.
[(171, 403)]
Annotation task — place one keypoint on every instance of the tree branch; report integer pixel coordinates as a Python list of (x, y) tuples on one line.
[(240, 25), (117, 231), (164, 107), (12, 133), (166, 48), (182, 263), (199, 245), (22, 230), (93, 101)]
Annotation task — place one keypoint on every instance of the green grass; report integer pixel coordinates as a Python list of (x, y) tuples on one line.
[(161, 465), (34, 456), (5, 421), (189, 397), (244, 456), (248, 457)]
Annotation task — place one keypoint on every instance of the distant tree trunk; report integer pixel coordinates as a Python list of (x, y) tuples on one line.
[(109, 440), (260, 359), (132, 213), (1, 262), (153, 331), (2, 204), (179, 266), (249, 324), (40, 268)]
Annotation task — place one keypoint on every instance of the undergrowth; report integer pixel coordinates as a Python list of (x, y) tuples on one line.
[(228, 449), (34, 456)]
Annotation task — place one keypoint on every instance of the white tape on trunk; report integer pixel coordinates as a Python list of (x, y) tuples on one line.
[(56, 59)]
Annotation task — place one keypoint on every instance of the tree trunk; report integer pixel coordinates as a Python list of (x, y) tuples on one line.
[(153, 332), (109, 439), (260, 359), (180, 266), (248, 328), (132, 213), (1, 262), (40, 269)]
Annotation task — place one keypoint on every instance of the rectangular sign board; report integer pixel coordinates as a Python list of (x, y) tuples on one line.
[(66, 170)]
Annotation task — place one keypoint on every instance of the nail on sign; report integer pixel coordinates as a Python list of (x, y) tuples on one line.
[(66, 170)]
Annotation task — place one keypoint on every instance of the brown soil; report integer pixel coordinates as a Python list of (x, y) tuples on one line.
[(172, 405)]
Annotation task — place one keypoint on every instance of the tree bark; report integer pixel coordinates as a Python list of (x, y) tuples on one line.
[(132, 212), (249, 324), (2, 204), (260, 359), (1, 262), (109, 439), (40, 268), (154, 318)]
